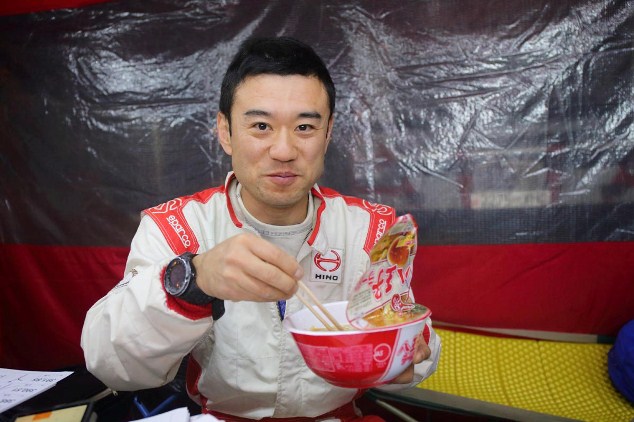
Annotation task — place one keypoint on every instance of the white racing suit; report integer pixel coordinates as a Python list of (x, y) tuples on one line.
[(244, 363)]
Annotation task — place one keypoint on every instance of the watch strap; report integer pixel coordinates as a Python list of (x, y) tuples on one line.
[(193, 294)]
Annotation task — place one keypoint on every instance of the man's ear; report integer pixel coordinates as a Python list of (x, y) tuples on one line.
[(224, 132), (331, 122)]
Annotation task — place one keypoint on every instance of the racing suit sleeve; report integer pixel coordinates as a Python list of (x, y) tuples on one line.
[(131, 338)]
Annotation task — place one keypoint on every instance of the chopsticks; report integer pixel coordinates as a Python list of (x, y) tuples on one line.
[(321, 307)]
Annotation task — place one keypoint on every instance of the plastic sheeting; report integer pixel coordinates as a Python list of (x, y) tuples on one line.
[(492, 122)]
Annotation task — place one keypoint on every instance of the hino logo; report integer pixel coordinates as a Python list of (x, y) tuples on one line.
[(329, 262), (327, 267), (325, 277)]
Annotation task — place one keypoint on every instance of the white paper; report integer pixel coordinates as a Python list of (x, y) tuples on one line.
[(204, 418), (17, 386), (178, 415)]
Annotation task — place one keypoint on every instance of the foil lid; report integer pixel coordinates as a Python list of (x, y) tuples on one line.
[(382, 295)]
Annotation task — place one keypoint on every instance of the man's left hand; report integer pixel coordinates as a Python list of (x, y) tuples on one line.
[(421, 352)]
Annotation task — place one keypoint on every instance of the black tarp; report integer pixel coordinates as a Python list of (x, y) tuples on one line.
[(490, 121)]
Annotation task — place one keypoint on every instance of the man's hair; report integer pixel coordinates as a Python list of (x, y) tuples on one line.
[(282, 56)]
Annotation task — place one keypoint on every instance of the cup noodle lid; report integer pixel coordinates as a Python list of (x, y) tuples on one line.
[(385, 286)]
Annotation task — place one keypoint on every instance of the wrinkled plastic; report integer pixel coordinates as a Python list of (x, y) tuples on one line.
[(382, 295), (489, 122)]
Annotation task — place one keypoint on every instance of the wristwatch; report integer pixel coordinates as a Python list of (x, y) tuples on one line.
[(180, 281)]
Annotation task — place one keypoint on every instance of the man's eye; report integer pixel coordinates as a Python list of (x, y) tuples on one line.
[(304, 128), (261, 126)]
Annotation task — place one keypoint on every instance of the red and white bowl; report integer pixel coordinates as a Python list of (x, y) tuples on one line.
[(354, 359)]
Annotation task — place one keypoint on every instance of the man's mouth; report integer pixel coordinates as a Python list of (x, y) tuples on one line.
[(283, 178)]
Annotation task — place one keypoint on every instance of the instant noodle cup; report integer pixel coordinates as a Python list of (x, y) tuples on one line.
[(355, 358)]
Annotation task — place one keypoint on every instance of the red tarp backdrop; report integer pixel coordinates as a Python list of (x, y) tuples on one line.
[(8, 7), (505, 128)]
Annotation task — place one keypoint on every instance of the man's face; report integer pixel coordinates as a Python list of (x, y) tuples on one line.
[(280, 129)]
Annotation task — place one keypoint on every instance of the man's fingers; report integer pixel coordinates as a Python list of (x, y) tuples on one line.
[(269, 282), (248, 267), (421, 351), (406, 376), (245, 282), (275, 256), (275, 269)]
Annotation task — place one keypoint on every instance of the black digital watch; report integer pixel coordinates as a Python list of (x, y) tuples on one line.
[(180, 281)]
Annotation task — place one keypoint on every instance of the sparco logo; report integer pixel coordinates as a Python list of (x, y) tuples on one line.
[(329, 262), (380, 229), (180, 231)]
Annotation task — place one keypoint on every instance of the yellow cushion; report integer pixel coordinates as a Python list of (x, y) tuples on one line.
[(569, 380)]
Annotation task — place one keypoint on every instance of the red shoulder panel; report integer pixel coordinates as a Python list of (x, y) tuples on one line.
[(170, 219)]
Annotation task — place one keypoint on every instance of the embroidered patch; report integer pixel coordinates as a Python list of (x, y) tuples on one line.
[(327, 267)]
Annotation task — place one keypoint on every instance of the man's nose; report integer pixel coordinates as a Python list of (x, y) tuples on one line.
[(283, 147)]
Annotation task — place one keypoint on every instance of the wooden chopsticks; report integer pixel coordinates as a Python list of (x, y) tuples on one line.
[(321, 307)]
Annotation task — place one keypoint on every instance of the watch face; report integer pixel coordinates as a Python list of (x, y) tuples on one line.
[(177, 275)]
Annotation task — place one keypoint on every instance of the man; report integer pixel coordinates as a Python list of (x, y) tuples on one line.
[(212, 275)]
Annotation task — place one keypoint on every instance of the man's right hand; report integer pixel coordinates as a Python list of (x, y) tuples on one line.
[(247, 267)]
